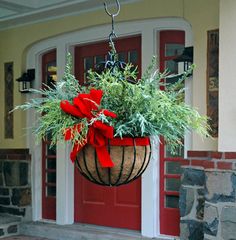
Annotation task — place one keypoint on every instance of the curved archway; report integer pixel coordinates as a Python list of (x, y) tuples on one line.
[(149, 30)]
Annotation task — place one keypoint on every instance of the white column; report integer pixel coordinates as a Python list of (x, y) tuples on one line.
[(34, 61), (65, 168), (150, 184), (150, 194), (65, 186), (36, 180)]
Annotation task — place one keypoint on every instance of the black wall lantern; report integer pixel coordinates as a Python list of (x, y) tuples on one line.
[(186, 58), (25, 81)]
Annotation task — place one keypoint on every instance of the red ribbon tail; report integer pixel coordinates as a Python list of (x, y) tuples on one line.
[(73, 155), (104, 157), (75, 151)]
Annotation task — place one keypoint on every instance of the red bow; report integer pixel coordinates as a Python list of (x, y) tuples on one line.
[(86, 106)]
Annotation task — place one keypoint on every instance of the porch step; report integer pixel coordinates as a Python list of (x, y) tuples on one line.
[(77, 232), (9, 225)]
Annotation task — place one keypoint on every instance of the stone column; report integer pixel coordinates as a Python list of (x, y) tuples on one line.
[(192, 203), (15, 183), (208, 196), (220, 205)]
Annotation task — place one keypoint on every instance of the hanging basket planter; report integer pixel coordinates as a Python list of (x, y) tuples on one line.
[(129, 155), (115, 103)]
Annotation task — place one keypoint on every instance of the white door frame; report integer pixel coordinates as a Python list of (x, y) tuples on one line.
[(148, 29)]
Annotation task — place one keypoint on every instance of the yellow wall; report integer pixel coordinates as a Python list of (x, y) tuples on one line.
[(202, 14)]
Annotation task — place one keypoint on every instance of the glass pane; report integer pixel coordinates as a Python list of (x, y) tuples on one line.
[(53, 77), (50, 81), (172, 184), (173, 167), (51, 70), (88, 63), (51, 191), (171, 201), (133, 57), (178, 153), (173, 49), (172, 80), (51, 163), (85, 76), (172, 66), (98, 59), (51, 67), (49, 136), (51, 150), (51, 177), (122, 56)]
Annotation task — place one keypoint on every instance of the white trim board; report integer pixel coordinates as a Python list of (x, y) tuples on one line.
[(32, 15), (148, 29)]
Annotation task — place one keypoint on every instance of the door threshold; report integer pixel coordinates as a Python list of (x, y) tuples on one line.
[(78, 231)]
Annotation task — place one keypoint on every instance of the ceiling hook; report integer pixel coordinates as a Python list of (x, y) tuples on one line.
[(114, 14)]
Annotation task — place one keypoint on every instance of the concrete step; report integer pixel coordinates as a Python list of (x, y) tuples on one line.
[(77, 232), (21, 237), (9, 225)]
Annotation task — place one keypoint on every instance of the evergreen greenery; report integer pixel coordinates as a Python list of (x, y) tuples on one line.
[(142, 108)]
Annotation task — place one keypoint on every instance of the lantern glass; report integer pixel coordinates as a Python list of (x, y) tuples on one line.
[(24, 86)]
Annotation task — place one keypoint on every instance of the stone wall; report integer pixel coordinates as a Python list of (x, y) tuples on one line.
[(208, 197), (15, 184)]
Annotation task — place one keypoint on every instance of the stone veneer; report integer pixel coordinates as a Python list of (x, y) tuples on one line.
[(15, 190), (15, 185), (208, 196)]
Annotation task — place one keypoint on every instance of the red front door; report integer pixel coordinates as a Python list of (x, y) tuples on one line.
[(107, 206), (171, 45), (48, 153)]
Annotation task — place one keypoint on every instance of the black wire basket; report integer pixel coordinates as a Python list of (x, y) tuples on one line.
[(129, 155)]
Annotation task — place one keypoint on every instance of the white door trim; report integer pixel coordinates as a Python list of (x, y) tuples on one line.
[(148, 29)]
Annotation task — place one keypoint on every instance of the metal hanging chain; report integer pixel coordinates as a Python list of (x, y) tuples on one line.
[(112, 15), (112, 62)]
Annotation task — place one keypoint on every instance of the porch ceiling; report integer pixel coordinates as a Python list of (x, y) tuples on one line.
[(21, 12)]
